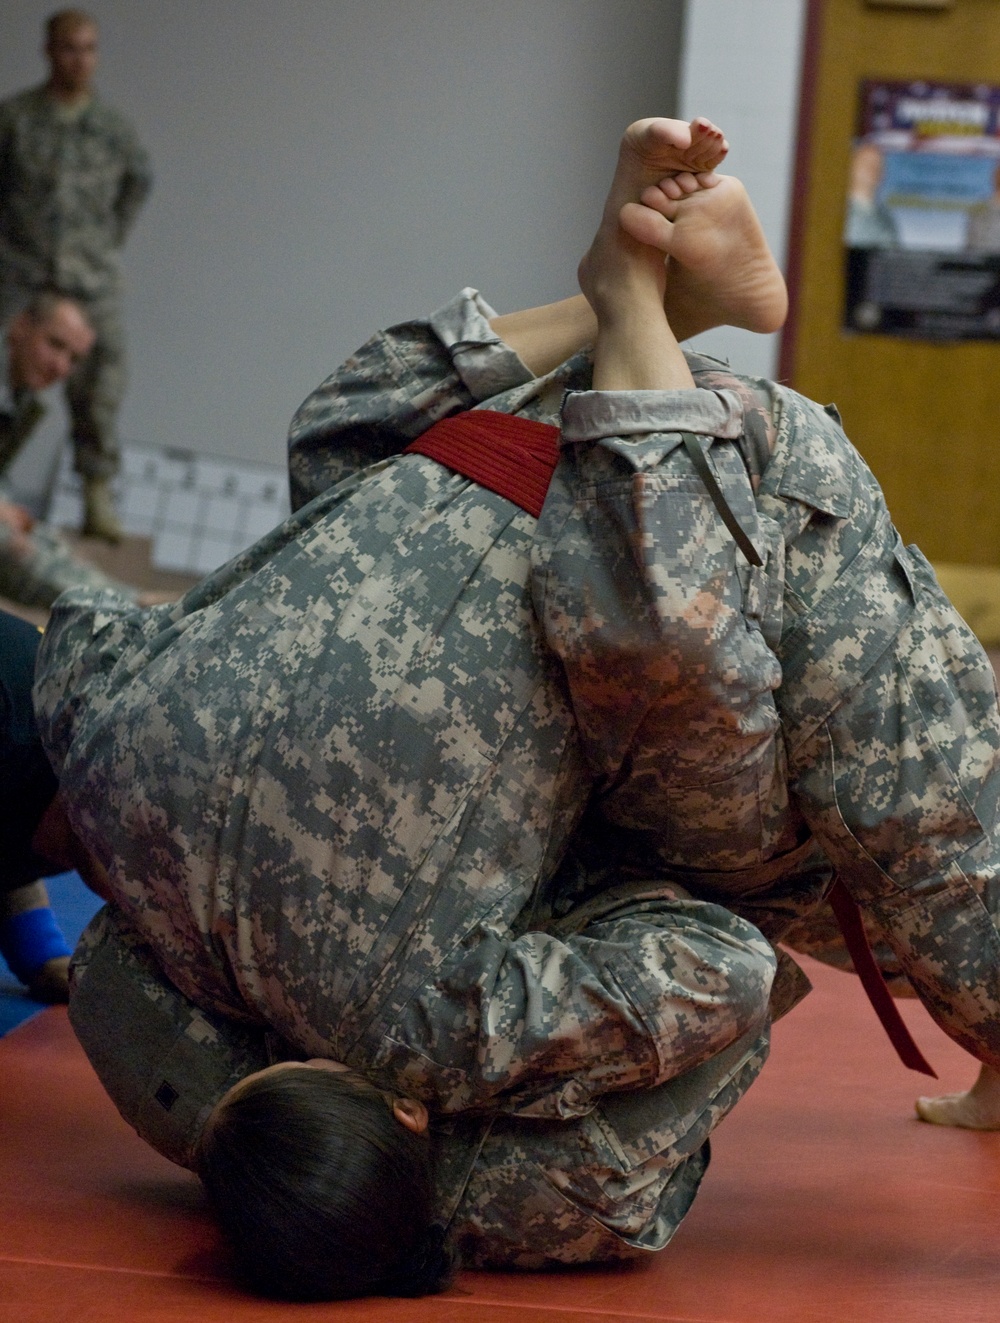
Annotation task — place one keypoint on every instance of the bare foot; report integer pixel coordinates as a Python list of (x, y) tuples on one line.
[(650, 220), (978, 1109), (720, 270), (650, 150), (658, 147)]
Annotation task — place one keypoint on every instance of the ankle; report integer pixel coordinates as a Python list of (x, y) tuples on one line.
[(620, 283)]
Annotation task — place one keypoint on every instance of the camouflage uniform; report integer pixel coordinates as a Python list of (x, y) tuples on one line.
[(332, 786), (829, 710), (71, 185), (888, 706), (513, 1189), (36, 574), (284, 711), (20, 413), (887, 768)]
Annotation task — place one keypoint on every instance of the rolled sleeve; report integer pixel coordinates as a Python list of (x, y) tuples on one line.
[(592, 415), (486, 364)]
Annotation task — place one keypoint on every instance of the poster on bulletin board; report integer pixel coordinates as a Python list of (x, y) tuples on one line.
[(922, 228)]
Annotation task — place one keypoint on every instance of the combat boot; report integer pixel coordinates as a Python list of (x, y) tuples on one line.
[(100, 518)]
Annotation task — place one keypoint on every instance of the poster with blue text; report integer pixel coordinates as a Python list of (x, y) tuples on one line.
[(922, 225)]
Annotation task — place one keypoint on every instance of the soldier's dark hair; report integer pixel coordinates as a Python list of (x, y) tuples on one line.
[(322, 1194), (67, 19)]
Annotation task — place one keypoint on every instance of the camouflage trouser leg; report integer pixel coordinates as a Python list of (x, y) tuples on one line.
[(655, 614), (94, 392), (890, 713), (607, 1186), (36, 573)]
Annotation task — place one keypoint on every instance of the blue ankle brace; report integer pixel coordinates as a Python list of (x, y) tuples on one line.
[(28, 939)]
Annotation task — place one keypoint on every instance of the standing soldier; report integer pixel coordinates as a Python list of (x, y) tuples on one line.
[(72, 179)]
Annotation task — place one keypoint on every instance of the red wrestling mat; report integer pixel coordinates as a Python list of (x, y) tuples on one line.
[(826, 1201)]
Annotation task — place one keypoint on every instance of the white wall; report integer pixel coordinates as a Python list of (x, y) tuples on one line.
[(741, 69), (324, 167)]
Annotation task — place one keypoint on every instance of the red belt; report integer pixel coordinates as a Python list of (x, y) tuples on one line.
[(511, 456), (515, 457), (847, 914)]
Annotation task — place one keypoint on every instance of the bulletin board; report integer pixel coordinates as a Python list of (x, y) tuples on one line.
[(919, 400), (922, 223)]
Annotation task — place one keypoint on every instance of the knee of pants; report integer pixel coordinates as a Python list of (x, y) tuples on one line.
[(748, 997), (706, 981)]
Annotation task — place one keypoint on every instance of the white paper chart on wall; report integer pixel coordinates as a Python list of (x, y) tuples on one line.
[(198, 511)]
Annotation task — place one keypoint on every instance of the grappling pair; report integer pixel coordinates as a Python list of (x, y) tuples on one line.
[(506, 815)]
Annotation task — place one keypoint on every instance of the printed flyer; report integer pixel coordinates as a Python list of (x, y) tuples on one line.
[(922, 229)]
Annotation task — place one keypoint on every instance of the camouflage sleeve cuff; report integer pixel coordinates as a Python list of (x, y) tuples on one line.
[(592, 415), (485, 363)]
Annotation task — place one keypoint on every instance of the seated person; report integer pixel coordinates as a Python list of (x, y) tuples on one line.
[(43, 343), (35, 843), (332, 787)]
